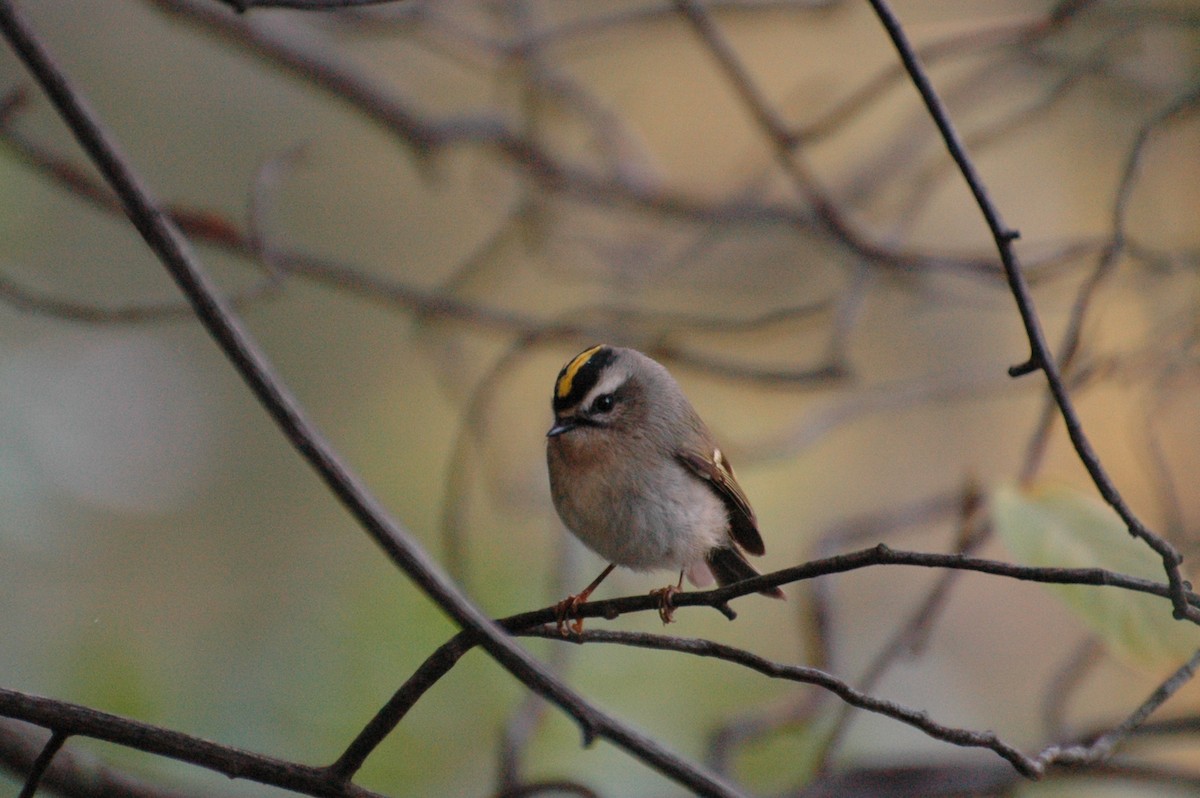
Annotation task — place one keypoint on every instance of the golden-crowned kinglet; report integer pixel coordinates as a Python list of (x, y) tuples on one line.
[(637, 476)]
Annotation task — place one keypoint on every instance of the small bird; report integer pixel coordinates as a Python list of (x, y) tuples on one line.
[(637, 476)]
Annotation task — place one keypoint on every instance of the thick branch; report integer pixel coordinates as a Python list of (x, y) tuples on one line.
[(72, 719), (72, 773)]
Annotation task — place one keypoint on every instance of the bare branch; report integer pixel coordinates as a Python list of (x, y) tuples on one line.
[(1040, 357), (72, 719), (1103, 746), (448, 654), (71, 773), (42, 763), (918, 719)]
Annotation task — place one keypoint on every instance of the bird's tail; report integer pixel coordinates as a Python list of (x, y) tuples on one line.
[(729, 566)]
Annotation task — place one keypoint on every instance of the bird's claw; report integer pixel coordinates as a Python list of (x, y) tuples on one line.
[(566, 614), (666, 610)]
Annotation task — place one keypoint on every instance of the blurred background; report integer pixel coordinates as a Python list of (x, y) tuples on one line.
[(424, 209)]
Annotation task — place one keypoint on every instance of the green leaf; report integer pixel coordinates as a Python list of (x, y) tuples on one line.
[(1058, 527)]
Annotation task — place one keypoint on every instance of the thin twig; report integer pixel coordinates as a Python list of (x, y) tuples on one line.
[(1100, 748), (1072, 338), (783, 142), (820, 650), (42, 763), (618, 187), (398, 116), (1040, 357), (918, 719)]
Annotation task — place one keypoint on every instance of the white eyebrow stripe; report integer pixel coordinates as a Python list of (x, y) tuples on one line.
[(613, 379)]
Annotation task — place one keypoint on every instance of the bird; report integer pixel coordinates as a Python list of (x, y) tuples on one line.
[(637, 476)]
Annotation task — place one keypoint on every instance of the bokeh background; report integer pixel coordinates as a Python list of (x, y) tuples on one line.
[(818, 279)]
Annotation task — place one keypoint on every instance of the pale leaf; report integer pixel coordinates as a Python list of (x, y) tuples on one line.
[(1059, 527)]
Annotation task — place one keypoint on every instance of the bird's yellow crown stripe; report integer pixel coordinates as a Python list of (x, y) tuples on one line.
[(568, 375)]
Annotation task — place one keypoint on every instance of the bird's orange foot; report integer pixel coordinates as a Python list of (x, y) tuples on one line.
[(666, 610), (566, 614)]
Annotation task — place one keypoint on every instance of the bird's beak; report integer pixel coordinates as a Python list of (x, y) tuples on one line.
[(562, 425)]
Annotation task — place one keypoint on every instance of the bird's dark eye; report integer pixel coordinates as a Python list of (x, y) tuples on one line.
[(603, 403)]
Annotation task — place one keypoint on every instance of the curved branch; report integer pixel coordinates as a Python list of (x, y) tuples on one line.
[(1100, 748), (449, 653), (65, 718), (918, 719), (1040, 357), (72, 773)]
